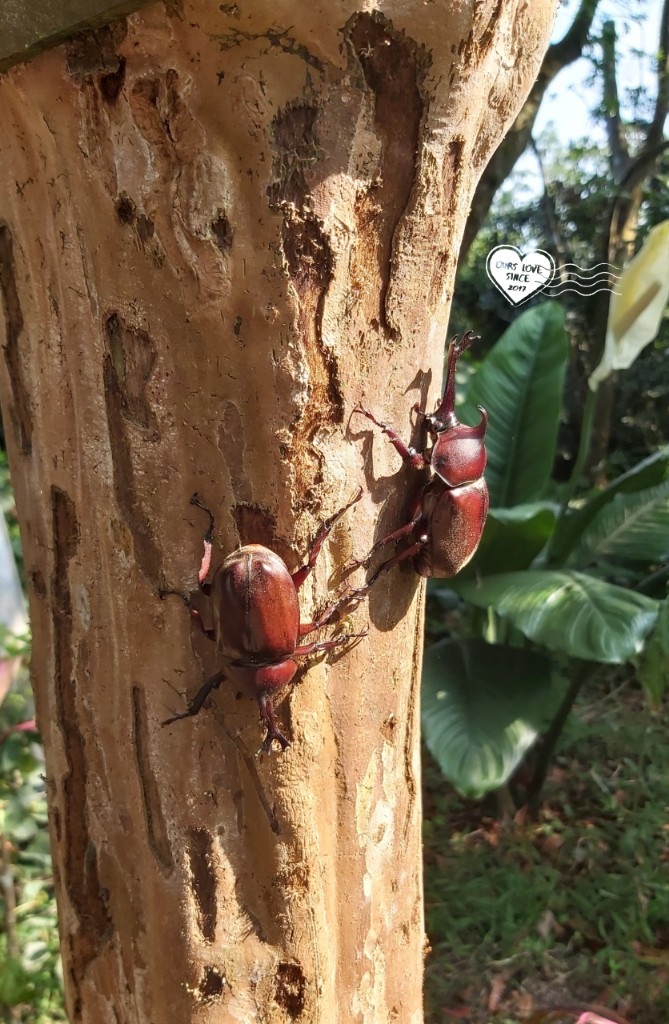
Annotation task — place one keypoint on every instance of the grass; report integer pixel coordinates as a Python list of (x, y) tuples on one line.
[(571, 908), (30, 971)]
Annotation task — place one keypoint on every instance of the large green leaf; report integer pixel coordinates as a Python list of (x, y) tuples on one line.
[(483, 707), (566, 611), (653, 670), (519, 384), (646, 474), (512, 538), (631, 526)]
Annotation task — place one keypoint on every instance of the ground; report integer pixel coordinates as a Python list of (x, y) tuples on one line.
[(573, 907)]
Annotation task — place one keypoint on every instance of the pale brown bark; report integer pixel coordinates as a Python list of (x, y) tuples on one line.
[(224, 225)]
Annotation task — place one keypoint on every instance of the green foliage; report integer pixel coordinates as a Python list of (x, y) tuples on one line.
[(483, 708), (579, 195), (30, 973), (577, 899), (549, 570), (653, 671), (519, 384)]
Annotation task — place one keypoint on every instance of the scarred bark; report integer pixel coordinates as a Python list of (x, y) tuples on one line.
[(223, 226)]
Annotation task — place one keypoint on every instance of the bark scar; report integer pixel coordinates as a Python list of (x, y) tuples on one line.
[(153, 814), (126, 369), (290, 988), (89, 900), (275, 37), (133, 357), (20, 411), (308, 256), (393, 66), (203, 880)]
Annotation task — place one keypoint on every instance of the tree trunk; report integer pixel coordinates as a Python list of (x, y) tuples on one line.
[(223, 226)]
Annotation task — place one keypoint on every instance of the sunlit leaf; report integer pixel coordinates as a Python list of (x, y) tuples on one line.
[(519, 383), (649, 473), (570, 612), (631, 526), (483, 708)]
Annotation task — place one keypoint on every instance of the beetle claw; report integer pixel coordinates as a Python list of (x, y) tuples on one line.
[(354, 636), (273, 734), (176, 718), (268, 718)]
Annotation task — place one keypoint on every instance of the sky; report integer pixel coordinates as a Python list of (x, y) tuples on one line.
[(571, 120), (566, 108)]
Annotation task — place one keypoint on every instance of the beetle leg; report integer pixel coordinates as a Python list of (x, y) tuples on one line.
[(301, 574), (268, 718), (195, 705), (205, 565), (416, 514), (395, 535), (328, 614), (327, 645), (409, 552), (408, 454)]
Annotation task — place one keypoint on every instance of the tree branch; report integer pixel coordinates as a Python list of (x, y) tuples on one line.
[(570, 47), (614, 126), (559, 56), (656, 129)]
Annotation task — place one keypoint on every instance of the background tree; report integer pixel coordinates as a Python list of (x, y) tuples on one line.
[(226, 225), (558, 56), (598, 203)]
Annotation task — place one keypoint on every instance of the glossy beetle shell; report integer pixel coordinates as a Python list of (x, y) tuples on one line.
[(456, 518), (255, 607)]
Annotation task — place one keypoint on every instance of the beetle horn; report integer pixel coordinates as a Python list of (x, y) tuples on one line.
[(445, 413)]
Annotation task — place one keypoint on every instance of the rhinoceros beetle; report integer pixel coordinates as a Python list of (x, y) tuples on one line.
[(448, 514), (256, 615)]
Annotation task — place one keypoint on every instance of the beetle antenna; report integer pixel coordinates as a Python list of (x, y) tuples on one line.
[(197, 500)]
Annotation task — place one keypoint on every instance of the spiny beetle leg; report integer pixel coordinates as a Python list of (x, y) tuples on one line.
[(416, 514), (268, 718), (395, 535), (301, 574), (195, 706), (409, 552), (205, 565), (408, 454), (329, 614), (327, 645)]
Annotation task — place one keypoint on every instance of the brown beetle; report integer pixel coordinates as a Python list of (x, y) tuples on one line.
[(449, 513), (256, 616)]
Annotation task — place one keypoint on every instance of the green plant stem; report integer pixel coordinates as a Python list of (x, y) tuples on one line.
[(553, 733)]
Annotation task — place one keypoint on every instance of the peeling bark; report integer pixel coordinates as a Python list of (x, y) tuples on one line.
[(223, 226)]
